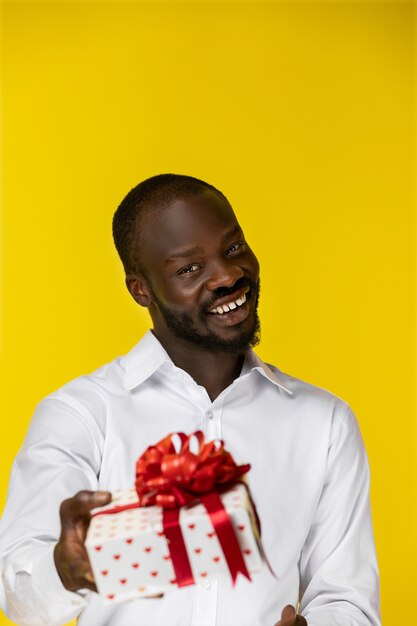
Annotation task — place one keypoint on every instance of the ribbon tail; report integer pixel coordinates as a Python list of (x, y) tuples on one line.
[(177, 548), (258, 524), (226, 535)]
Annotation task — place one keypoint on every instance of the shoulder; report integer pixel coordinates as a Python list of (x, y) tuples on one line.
[(89, 395), (315, 402), (301, 388), (84, 399)]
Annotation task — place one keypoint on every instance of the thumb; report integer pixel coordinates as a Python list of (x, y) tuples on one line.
[(78, 508), (288, 616)]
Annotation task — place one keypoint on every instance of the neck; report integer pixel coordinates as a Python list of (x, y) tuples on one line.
[(212, 369)]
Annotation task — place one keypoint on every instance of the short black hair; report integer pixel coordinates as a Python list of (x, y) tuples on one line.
[(153, 193)]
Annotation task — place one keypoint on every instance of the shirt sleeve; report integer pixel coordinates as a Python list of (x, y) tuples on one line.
[(60, 456), (338, 565)]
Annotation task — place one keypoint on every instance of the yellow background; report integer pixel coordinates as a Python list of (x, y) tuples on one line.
[(303, 114)]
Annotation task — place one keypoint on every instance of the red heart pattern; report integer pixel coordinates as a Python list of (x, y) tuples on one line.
[(108, 576)]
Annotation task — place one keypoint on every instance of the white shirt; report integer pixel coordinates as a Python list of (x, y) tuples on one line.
[(309, 481)]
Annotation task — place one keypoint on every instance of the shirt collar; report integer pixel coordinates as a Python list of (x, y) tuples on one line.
[(253, 362), (143, 360), (148, 356)]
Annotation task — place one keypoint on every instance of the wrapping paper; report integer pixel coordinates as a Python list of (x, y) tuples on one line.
[(130, 556)]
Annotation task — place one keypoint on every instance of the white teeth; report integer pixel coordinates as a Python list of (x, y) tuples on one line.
[(225, 308)]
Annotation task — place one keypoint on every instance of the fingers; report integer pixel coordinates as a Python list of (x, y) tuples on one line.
[(73, 565), (70, 555)]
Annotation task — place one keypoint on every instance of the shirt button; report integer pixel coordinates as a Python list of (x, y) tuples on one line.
[(210, 415), (207, 584)]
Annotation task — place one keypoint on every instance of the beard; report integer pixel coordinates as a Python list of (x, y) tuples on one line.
[(181, 324)]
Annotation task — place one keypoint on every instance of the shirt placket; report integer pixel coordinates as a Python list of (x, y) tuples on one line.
[(211, 423), (205, 593), (204, 611)]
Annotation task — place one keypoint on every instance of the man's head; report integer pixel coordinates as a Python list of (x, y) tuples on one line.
[(185, 259)]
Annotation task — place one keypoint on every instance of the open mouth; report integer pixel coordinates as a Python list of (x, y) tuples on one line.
[(229, 306)]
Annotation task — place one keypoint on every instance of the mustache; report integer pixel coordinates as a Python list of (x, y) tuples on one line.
[(222, 292)]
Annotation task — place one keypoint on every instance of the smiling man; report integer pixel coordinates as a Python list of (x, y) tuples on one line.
[(199, 279), (187, 261)]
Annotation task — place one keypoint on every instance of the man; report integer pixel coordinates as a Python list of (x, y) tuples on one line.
[(187, 260)]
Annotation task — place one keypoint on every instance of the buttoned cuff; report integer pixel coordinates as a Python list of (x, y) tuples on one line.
[(63, 605)]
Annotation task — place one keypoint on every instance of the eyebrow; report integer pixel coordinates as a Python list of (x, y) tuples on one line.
[(233, 231), (184, 254)]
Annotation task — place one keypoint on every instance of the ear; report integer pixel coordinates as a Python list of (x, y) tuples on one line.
[(139, 289)]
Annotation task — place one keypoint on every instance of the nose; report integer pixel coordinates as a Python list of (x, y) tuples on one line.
[(223, 273)]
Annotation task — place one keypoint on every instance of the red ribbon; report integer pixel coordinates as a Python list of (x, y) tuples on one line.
[(177, 547), (226, 534), (171, 479)]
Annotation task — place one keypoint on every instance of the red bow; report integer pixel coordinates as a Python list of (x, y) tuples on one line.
[(173, 479)]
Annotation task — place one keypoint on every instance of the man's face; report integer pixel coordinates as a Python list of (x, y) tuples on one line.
[(198, 265)]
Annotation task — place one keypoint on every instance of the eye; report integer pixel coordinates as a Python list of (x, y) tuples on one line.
[(189, 269), (238, 246)]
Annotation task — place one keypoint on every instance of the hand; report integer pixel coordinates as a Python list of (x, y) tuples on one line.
[(290, 618), (70, 554)]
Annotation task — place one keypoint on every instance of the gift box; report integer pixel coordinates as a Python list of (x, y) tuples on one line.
[(130, 556), (189, 519)]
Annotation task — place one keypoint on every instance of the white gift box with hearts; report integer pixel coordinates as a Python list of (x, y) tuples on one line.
[(129, 553)]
